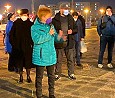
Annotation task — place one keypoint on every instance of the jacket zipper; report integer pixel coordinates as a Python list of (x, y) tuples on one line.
[(41, 53)]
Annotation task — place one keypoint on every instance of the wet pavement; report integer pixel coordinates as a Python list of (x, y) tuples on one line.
[(91, 81)]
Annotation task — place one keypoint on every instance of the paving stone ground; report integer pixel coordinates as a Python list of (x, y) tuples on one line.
[(91, 81)]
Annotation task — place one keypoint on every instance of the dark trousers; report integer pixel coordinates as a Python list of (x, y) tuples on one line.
[(70, 60), (77, 52), (104, 41), (39, 77)]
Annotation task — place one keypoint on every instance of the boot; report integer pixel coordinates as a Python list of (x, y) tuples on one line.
[(29, 79), (52, 96), (21, 78), (28, 76)]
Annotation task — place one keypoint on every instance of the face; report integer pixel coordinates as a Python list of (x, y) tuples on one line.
[(108, 12), (26, 15), (64, 11), (44, 18), (12, 18), (75, 18)]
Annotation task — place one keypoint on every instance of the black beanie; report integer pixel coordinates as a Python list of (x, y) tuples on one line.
[(24, 11), (10, 15)]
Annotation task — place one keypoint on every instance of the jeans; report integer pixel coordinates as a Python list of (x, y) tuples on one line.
[(39, 77), (77, 47), (70, 60), (104, 40)]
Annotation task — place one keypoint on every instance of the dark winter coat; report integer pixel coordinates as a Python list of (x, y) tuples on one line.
[(80, 34), (21, 41), (83, 24), (71, 25)]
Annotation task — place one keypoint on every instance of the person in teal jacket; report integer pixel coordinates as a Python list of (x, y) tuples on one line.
[(44, 53)]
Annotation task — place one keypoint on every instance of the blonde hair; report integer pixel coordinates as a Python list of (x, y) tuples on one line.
[(43, 11)]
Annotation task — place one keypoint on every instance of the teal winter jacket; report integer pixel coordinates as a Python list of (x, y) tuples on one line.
[(44, 53)]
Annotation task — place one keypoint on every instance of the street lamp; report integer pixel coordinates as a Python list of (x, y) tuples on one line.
[(32, 5), (18, 11), (71, 4), (7, 7), (101, 11), (71, 11), (86, 11)]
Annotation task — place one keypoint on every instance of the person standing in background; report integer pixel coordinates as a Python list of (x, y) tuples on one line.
[(22, 44), (78, 37), (106, 32), (80, 17), (8, 47), (64, 22)]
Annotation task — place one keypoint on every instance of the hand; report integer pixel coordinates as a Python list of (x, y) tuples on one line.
[(51, 31), (82, 39), (60, 33), (70, 31), (64, 38)]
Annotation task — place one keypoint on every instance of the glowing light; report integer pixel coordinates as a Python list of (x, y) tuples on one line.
[(0, 17), (18, 11), (7, 7), (86, 10)]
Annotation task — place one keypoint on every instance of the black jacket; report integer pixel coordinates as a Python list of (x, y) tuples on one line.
[(71, 25), (21, 41), (83, 24)]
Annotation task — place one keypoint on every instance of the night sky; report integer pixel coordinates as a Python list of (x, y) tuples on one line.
[(17, 4)]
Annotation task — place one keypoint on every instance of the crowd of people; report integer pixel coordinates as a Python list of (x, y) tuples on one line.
[(43, 43)]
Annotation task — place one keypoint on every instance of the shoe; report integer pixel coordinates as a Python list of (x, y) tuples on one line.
[(16, 70), (57, 77), (100, 65), (11, 69), (109, 65), (52, 96), (21, 79), (81, 55), (29, 79), (72, 77), (40, 97), (80, 65)]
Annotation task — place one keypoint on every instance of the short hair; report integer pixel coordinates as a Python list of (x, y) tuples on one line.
[(74, 14), (43, 11), (24, 11), (108, 7), (64, 6)]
